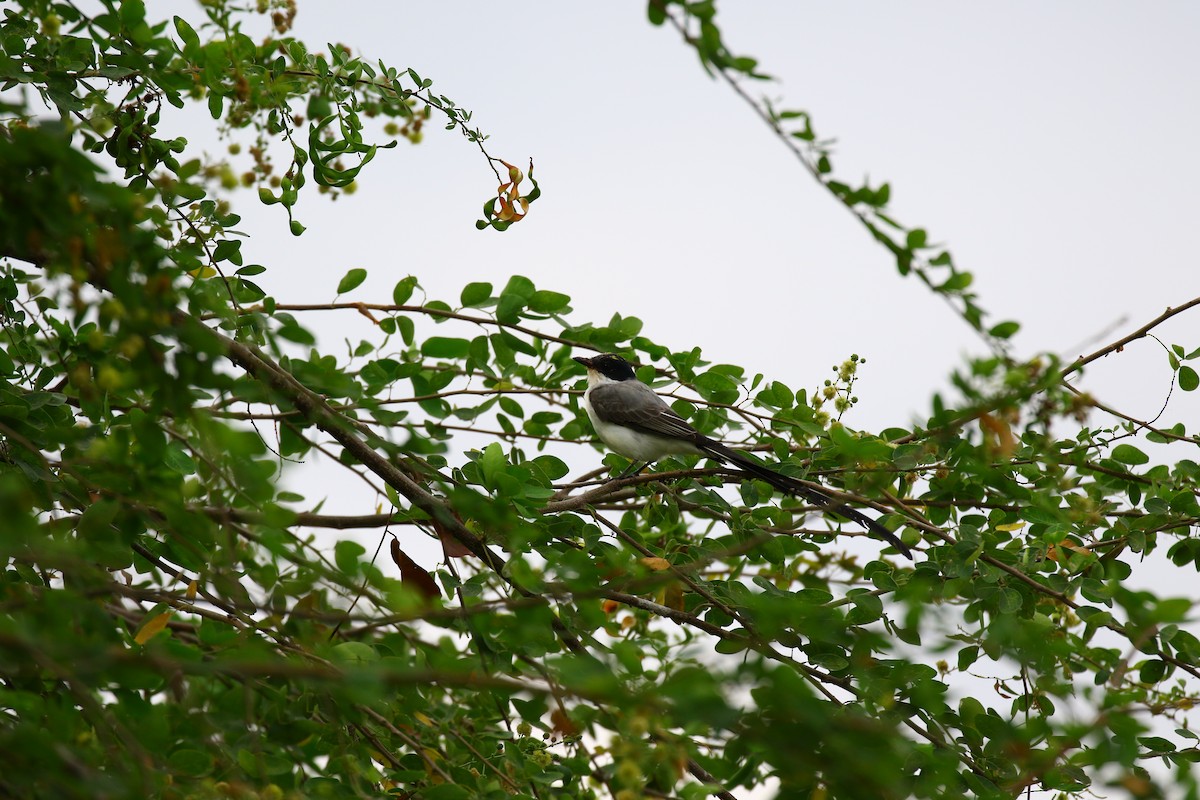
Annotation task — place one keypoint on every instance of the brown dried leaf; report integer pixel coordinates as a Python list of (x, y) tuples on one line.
[(562, 723), (413, 574), (451, 546)]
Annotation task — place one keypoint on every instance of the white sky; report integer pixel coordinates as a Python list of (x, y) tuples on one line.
[(1049, 146)]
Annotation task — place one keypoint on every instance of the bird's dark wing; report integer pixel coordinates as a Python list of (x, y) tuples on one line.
[(636, 406)]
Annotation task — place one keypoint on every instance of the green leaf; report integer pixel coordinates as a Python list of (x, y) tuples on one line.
[(186, 32), (966, 657), (509, 309), (492, 463), (403, 290), (1152, 671), (868, 607), (511, 407), (1157, 744), (133, 12), (475, 294), (1005, 330), (351, 280), (555, 468), (293, 332), (517, 343), (1173, 609), (957, 282), (519, 286), (194, 763), (355, 653), (346, 554), (408, 329), (228, 250), (1188, 379), (178, 459), (1009, 601), (546, 302), (445, 347), (189, 191), (215, 107), (716, 388), (479, 353), (1128, 454)]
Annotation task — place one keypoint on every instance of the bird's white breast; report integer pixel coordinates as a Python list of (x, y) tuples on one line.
[(634, 444)]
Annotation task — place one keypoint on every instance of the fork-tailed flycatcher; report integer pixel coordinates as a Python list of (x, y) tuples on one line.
[(633, 420)]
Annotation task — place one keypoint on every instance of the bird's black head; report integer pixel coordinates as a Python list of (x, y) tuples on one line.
[(610, 366)]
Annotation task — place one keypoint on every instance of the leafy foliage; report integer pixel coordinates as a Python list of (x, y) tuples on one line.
[(175, 621)]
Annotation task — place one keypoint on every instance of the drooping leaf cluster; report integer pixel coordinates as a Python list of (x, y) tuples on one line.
[(177, 621)]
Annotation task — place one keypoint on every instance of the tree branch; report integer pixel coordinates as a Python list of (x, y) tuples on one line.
[(1118, 345)]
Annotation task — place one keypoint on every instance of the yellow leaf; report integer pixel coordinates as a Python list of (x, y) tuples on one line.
[(997, 435), (152, 626), (673, 597), (431, 758), (1010, 526), (656, 564), (421, 718), (514, 174)]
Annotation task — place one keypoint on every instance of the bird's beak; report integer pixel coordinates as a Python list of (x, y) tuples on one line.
[(587, 362)]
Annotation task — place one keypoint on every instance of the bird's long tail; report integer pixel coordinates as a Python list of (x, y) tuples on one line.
[(794, 487)]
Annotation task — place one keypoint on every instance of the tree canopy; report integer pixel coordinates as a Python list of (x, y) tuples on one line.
[(177, 621)]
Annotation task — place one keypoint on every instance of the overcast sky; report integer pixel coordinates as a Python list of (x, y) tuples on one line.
[(1050, 146)]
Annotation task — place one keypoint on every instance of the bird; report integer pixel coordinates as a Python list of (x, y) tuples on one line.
[(633, 420)]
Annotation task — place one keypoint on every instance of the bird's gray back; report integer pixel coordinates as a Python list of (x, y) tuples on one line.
[(635, 405)]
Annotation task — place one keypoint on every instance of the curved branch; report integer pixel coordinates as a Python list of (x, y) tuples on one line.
[(1118, 345)]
